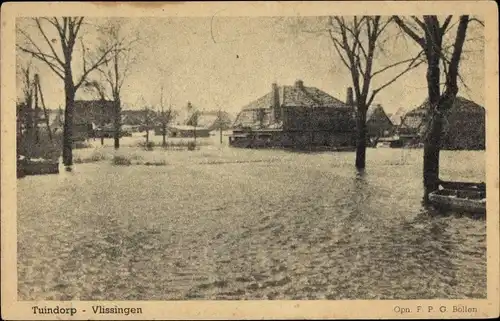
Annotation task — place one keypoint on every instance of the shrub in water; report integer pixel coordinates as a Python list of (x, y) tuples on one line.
[(147, 146), (97, 156)]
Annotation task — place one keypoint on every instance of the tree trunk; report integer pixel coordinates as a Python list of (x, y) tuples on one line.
[(432, 138), (35, 117), (102, 129), (431, 155), (361, 140), (117, 121), (220, 132), (68, 124), (164, 134), (147, 136)]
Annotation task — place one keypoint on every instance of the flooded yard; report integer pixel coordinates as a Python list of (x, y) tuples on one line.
[(227, 223)]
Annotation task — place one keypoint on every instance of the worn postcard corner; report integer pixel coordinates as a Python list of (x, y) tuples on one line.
[(249, 160)]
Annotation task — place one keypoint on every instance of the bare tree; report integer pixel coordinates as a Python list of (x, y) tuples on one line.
[(147, 123), (25, 113), (97, 87), (220, 123), (357, 42), (165, 117), (116, 71), (67, 30), (193, 118), (428, 32)]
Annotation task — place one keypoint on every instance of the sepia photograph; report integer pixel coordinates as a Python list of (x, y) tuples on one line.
[(201, 153)]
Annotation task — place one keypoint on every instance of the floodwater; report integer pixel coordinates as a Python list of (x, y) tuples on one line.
[(247, 224)]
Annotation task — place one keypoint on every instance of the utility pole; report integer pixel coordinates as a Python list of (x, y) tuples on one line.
[(38, 88)]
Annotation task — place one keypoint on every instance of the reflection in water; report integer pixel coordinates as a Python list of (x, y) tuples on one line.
[(308, 226)]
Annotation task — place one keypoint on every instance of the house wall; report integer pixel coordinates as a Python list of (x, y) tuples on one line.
[(302, 139), (318, 119), (189, 133), (464, 130)]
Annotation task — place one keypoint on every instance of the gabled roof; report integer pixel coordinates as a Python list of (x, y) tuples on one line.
[(211, 119), (297, 96), (414, 118), (376, 110), (460, 104), (397, 116)]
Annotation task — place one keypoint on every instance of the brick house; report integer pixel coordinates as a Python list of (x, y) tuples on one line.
[(296, 117)]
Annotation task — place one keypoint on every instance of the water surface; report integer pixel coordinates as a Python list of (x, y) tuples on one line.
[(249, 224)]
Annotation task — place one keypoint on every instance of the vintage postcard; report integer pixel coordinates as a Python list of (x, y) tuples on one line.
[(249, 160)]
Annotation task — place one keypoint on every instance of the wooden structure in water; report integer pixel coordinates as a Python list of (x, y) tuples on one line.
[(36, 167), (460, 196)]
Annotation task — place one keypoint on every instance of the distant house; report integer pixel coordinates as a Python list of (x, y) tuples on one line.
[(132, 117), (464, 125), (211, 120), (297, 117), (88, 114), (378, 123), (188, 131)]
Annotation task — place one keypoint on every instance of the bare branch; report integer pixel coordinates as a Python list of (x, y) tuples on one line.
[(376, 91), (420, 23), (78, 24), (457, 52), (477, 20), (397, 64), (446, 23), (56, 57), (337, 46), (104, 58), (84, 61), (384, 26), (409, 31), (62, 33), (43, 57)]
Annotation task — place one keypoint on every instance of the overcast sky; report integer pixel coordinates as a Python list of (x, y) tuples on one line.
[(226, 62)]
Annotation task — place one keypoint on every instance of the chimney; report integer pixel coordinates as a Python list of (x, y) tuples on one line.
[(349, 98), (299, 84), (276, 102)]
